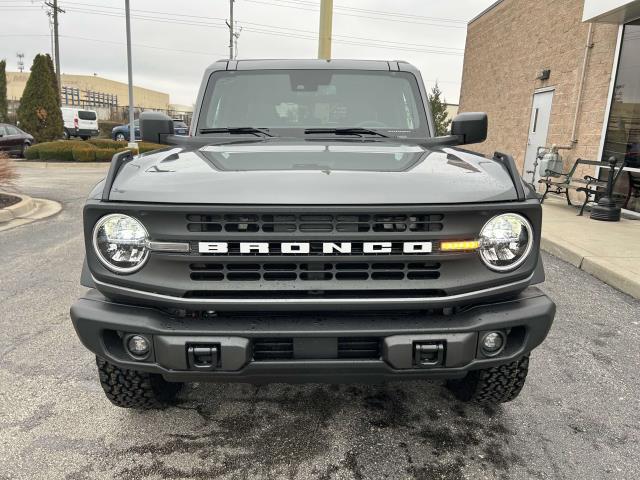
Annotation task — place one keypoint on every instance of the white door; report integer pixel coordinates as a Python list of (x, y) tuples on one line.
[(538, 129)]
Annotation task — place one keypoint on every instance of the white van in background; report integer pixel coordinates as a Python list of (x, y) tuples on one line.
[(79, 123)]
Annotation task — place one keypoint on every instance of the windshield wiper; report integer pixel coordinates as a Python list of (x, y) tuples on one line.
[(238, 131), (346, 131)]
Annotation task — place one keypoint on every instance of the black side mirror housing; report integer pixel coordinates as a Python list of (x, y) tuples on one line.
[(471, 127), (155, 127)]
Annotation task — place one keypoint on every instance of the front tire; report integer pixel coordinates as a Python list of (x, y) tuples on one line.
[(85, 138), (66, 135), (23, 150), (120, 137), (493, 385), (134, 389)]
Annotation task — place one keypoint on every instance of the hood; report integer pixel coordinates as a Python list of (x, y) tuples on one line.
[(313, 172)]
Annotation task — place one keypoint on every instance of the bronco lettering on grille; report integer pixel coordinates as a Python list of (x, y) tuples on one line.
[(304, 248)]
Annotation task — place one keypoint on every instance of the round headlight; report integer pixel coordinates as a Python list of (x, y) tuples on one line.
[(120, 241), (505, 242)]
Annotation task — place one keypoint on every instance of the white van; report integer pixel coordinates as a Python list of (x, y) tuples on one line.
[(80, 123)]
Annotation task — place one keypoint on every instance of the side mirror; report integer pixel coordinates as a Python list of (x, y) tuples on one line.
[(155, 127), (471, 126)]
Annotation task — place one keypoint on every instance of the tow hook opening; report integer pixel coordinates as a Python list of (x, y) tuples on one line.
[(428, 354), (203, 357)]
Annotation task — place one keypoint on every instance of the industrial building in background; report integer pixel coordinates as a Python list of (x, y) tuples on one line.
[(108, 97), (559, 73)]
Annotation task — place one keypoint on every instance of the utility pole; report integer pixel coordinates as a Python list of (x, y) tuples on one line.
[(326, 25), (56, 42), (230, 25), (132, 130)]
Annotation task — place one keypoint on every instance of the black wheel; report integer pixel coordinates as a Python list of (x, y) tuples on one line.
[(120, 137), (66, 135), (492, 385), (85, 138), (134, 389), (23, 151)]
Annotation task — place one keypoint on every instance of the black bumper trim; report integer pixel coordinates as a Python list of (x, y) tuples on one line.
[(95, 318)]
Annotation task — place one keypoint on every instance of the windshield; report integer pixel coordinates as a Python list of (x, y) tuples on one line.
[(388, 102), (87, 115), (179, 124)]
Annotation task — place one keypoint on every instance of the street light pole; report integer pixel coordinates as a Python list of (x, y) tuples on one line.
[(132, 130), (326, 25)]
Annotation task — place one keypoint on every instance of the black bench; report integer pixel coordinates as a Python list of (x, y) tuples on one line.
[(592, 187)]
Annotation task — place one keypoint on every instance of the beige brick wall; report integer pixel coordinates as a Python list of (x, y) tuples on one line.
[(508, 47), (143, 97)]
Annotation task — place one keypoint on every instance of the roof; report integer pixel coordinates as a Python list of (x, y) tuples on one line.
[(310, 64), (486, 10)]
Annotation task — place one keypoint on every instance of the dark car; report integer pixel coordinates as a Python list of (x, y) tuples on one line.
[(14, 140), (121, 132), (313, 228), (180, 128)]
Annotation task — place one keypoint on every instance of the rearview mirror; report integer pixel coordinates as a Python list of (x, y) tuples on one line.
[(155, 127), (471, 126)]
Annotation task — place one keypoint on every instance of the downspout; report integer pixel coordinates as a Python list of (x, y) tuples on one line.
[(585, 62)]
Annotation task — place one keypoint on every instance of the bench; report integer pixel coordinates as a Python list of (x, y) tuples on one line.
[(592, 187)]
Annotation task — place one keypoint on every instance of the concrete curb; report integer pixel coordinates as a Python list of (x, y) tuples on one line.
[(21, 209), (606, 269), (27, 210)]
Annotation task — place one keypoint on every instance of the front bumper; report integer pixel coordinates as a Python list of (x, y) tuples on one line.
[(102, 325)]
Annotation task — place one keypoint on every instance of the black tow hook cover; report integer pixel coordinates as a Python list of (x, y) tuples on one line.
[(427, 355), (203, 357)]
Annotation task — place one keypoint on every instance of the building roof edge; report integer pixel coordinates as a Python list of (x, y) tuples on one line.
[(486, 10)]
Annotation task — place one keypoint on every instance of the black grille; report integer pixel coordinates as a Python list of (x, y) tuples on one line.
[(362, 348), (314, 271), (359, 347), (315, 223), (273, 349)]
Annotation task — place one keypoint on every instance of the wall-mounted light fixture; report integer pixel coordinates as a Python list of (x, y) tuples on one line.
[(544, 74)]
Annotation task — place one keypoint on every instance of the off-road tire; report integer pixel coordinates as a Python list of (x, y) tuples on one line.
[(492, 385), (134, 389)]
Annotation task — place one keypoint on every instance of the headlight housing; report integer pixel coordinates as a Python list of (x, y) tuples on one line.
[(120, 242), (505, 242)]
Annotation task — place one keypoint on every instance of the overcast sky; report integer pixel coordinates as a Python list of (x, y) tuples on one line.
[(173, 41)]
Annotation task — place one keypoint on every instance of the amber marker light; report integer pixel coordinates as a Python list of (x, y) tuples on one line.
[(460, 246)]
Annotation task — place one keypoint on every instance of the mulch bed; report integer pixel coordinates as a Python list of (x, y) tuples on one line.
[(8, 200)]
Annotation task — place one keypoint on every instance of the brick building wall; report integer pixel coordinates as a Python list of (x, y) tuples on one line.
[(509, 46)]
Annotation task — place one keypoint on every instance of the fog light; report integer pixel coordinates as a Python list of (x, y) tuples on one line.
[(138, 345), (492, 342)]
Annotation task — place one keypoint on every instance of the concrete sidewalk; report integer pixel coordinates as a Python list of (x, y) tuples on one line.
[(609, 251)]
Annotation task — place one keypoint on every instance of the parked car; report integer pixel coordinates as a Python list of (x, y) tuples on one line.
[(121, 132), (80, 123), (320, 234), (14, 140), (179, 127)]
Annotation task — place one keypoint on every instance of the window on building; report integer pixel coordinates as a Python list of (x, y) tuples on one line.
[(623, 129)]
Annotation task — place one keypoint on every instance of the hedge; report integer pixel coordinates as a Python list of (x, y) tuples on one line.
[(79, 151), (106, 143)]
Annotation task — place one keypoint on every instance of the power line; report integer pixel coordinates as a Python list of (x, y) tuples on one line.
[(377, 12), (312, 36), (273, 3)]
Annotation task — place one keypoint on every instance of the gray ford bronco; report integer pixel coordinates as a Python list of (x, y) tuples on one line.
[(312, 228)]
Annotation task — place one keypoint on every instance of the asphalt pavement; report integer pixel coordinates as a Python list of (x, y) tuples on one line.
[(578, 416)]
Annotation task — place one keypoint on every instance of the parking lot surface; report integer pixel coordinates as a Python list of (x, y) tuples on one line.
[(578, 416)]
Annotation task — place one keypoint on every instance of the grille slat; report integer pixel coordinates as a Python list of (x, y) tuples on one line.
[(314, 271), (315, 223)]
